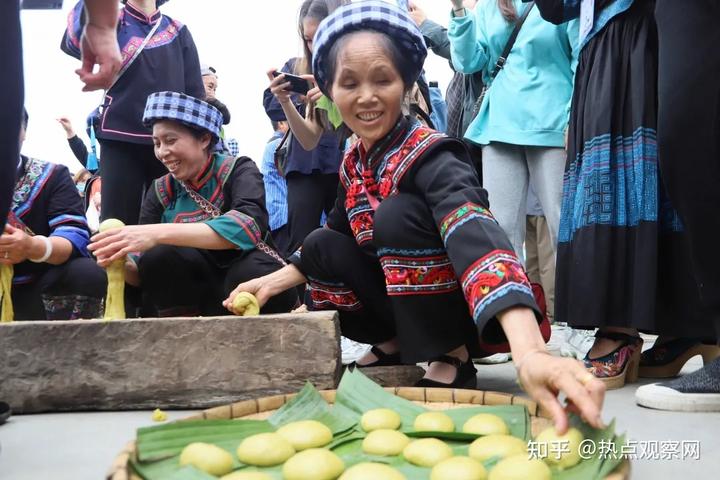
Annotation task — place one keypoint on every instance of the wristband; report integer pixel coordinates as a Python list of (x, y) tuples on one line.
[(48, 250), (461, 9)]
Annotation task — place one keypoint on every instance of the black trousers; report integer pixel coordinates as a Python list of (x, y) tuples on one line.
[(11, 99), (308, 196), (689, 130), (70, 291), (352, 280), (182, 281), (127, 171)]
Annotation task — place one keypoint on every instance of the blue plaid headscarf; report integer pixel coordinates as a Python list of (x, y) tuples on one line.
[(185, 109), (375, 15)]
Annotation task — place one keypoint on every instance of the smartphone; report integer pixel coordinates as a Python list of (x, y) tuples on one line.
[(297, 84)]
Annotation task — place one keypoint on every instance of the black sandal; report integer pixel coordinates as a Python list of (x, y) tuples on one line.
[(383, 359), (466, 376), (5, 412)]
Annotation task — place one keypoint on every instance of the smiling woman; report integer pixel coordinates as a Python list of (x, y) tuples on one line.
[(203, 226), (411, 256)]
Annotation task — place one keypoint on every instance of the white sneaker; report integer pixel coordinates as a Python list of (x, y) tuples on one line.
[(351, 350)]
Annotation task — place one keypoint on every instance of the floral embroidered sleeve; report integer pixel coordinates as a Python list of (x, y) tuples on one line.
[(246, 221), (491, 276)]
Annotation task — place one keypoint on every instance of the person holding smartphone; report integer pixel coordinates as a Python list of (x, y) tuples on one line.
[(315, 149)]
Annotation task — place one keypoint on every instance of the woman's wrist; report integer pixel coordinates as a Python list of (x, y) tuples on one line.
[(522, 331)]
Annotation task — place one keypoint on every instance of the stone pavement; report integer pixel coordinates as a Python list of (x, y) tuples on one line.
[(82, 446)]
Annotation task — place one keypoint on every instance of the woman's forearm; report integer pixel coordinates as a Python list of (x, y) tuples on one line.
[(307, 131), (194, 235), (102, 13), (521, 329), (287, 277)]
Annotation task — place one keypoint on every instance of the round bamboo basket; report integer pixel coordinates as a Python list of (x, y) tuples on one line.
[(431, 398)]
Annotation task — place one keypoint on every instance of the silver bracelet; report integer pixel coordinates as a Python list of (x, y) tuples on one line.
[(48, 250)]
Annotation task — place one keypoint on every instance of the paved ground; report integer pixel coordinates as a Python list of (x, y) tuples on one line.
[(82, 446)]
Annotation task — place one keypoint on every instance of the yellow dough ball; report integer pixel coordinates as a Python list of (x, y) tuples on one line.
[(247, 476), (313, 464), (246, 304), (433, 422), (386, 443), (563, 451), (264, 450), (207, 457), (427, 452), (486, 424), (458, 468), (306, 434), (485, 448), (111, 223), (371, 471), (380, 419), (520, 467)]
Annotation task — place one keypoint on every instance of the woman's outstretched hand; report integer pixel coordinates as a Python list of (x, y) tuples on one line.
[(544, 377)]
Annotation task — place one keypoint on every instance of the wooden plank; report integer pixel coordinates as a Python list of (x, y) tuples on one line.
[(164, 363)]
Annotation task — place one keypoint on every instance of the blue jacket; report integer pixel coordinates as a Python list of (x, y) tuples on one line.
[(168, 62), (528, 102)]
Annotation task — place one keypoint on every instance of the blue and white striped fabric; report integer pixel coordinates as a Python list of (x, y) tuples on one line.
[(185, 109), (275, 185), (373, 15)]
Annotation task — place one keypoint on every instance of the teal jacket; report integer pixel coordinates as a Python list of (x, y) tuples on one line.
[(529, 101)]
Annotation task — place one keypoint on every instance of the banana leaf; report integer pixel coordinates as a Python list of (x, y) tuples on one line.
[(159, 447), (163, 441), (310, 405)]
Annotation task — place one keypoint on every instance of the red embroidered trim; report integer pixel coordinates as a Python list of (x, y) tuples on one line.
[(326, 296), (358, 182), (419, 275)]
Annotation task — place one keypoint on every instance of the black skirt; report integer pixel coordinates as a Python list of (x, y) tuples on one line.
[(619, 239)]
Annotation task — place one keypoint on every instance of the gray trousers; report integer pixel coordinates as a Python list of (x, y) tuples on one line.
[(507, 172)]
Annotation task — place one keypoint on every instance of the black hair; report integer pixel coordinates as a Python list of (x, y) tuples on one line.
[(319, 10), (275, 125), (222, 107), (401, 62), (25, 118)]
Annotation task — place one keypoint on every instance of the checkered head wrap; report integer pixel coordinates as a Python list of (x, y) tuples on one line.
[(374, 15), (185, 109)]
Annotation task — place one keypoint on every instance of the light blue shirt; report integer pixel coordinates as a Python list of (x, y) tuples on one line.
[(275, 186), (528, 103)]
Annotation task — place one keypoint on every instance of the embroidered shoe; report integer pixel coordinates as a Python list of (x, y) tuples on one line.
[(667, 359), (619, 366), (696, 392)]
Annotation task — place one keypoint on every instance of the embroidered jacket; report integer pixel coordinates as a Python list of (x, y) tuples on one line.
[(233, 185), (169, 62), (477, 257), (46, 202)]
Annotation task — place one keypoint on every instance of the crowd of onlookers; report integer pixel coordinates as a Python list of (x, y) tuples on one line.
[(595, 143)]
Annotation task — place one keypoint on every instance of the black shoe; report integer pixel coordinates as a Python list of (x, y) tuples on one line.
[(466, 376), (383, 360), (5, 412)]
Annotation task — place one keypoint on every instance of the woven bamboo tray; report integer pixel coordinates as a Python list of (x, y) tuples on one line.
[(431, 398)]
